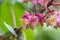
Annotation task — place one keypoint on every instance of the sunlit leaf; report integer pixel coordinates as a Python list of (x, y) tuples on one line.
[(5, 15), (10, 28)]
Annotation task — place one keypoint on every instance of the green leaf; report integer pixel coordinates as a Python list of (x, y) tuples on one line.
[(9, 28), (5, 15), (29, 34)]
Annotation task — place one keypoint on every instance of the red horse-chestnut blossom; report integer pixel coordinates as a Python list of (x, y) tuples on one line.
[(41, 18), (32, 20)]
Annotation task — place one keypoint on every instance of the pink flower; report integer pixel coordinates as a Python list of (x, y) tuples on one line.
[(44, 2), (54, 20), (52, 12), (26, 15), (35, 1), (33, 21), (41, 2), (58, 19), (24, 22), (29, 19), (41, 17)]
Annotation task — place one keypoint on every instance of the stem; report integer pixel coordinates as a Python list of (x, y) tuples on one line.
[(18, 30), (19, 33), (49, 4), (35, 8), (20, 36)]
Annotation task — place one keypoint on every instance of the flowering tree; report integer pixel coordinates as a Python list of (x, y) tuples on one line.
[(29, 20)]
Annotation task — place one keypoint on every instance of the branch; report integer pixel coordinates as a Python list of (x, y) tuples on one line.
[(49, 4)]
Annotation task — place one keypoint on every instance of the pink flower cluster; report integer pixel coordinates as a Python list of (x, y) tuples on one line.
[(54, 20), (33, 20)]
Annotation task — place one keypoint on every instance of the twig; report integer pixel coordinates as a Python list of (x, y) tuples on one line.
[(56, 3), (49, 4), (35, 8)]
